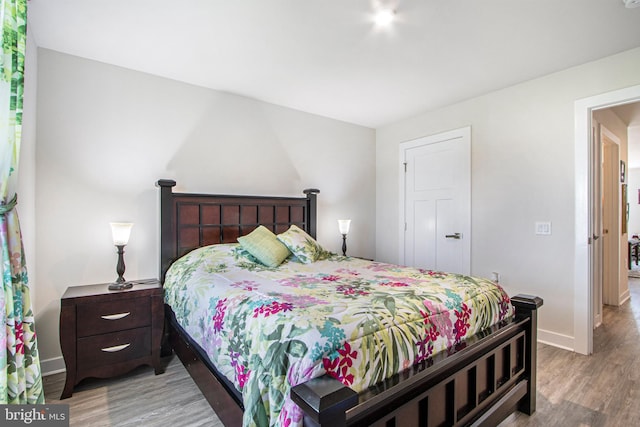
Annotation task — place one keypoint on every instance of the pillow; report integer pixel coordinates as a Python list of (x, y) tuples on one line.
[(303, 246), (264, 246)]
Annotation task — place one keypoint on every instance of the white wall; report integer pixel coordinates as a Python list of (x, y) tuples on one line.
[(27, 164), (522, 172), (106, 134)]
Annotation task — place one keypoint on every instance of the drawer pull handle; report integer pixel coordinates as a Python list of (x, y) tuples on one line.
[(115, 348), (116, 316)]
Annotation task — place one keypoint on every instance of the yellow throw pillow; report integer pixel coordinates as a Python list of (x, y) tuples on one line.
[(264, 246)]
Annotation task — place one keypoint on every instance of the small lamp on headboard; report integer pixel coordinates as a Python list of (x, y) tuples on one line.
[(343, 226), (120, 232)]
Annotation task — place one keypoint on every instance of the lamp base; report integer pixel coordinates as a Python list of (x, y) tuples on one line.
[(120, 286)]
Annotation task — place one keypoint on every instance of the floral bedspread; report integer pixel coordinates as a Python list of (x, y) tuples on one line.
[(268, 329)]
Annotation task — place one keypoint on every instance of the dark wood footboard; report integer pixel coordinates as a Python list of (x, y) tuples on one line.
[(481, 383)]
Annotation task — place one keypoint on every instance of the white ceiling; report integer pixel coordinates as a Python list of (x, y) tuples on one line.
[(327, 57)]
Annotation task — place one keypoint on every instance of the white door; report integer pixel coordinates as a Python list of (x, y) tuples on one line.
[(610, 242), (611, 218), (605, 215), (435, 202)]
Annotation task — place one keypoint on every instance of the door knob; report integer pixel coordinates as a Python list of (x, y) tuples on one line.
[(453, 236)]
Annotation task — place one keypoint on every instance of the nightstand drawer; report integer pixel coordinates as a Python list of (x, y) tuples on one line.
[(110, 316), (115, 347)]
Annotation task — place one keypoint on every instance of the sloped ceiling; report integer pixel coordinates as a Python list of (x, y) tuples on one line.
[(327, 56), (629, 113)]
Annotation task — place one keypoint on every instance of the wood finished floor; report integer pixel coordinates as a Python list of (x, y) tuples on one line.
[(573, 390), (600, 390), (139, 399)]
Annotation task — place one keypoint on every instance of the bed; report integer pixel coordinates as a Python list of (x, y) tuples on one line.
[(409, 361)]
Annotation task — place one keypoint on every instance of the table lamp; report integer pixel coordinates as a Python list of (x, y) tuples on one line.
[(343, 226), (120, 232)]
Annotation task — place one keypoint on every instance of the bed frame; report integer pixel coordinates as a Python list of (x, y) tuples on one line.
[(480, 382)]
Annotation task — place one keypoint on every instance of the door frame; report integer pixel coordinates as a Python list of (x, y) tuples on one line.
[(597, 154), (582, 285), (465, 135)]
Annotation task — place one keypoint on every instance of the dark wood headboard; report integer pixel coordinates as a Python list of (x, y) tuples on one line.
[(189, 221)]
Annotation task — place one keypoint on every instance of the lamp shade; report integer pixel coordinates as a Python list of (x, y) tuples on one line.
[(343, 225), (120, 232)]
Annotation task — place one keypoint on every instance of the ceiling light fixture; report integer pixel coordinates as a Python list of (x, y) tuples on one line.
[(631, 3), (384, 17)]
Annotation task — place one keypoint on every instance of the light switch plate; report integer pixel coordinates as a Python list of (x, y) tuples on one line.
[(543, 228)]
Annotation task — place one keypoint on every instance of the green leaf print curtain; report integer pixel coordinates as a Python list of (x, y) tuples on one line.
[(20, 377)]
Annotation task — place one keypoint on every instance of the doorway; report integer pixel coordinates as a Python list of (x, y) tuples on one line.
[(584, 202)]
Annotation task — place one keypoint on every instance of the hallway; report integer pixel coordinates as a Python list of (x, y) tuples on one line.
[(598, 390)]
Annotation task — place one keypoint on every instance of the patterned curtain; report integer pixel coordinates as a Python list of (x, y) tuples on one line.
[(20, 376)]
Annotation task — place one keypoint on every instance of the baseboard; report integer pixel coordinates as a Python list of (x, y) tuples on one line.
[(555, 339), (52, 366), (624, 297)]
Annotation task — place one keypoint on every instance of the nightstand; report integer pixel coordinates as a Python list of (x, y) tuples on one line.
[(106, 333)]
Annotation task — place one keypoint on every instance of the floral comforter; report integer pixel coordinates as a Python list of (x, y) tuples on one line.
[(268, 329)]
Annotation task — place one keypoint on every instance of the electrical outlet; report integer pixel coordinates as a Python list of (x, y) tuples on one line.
[(543, 228)]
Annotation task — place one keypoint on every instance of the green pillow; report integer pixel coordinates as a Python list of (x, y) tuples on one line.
[(303, 246), (264, 246)]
